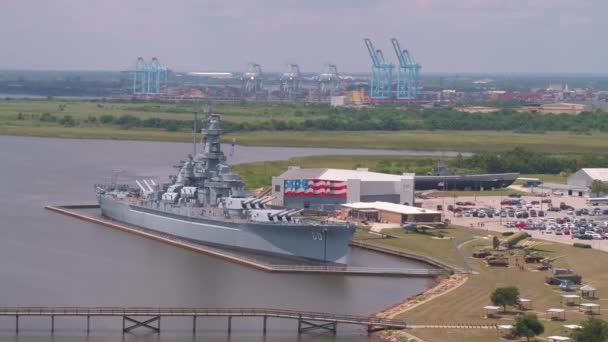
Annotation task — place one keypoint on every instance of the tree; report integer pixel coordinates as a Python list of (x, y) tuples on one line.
[(504, 296), (527, 325), (597, 187), (593, 330)]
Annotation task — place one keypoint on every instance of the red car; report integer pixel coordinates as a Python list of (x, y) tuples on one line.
[(469, 203), (546, 200), (521, 225)]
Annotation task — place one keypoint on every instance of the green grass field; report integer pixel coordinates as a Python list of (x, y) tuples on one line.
[(424, 244), (22, 117), (81, 110), (464, 304), (471, 141)]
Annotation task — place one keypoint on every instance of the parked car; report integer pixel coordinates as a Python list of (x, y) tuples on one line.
[(514, 195)]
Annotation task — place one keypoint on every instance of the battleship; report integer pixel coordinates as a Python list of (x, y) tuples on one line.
[(445, 179), (205, 202)]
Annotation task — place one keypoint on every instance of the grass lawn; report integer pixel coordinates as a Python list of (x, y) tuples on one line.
[(464, 304), (473, 141), (424, 244), (559, 179)]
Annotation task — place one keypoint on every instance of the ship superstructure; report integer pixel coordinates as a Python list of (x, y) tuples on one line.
[(206, 202)]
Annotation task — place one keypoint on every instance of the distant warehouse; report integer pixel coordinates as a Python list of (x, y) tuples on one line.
[(327, 189), (584, 177)]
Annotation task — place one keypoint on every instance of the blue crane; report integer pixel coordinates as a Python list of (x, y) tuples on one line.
[(149, 78), (407, 73), (382, 74)]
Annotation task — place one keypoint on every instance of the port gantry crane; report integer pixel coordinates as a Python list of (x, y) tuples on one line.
[(252, 80), (407, 73), (290, 82), (149, 78), (382, 74), (328, 79)]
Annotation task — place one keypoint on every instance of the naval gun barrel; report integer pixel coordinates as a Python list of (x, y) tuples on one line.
[(280, 213), (289, 212), (248, 201), (267, 200), (297, 211)]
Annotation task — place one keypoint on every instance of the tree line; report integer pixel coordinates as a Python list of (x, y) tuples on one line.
[(382, 118), (515, 160)]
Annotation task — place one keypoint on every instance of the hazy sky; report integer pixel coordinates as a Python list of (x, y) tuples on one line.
[(188, 35)]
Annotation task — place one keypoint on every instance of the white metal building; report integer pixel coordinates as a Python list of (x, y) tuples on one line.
[(584, 177), (327, 189)]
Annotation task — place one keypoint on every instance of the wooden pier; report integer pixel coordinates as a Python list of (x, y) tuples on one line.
[(365, 271), (149, 318)]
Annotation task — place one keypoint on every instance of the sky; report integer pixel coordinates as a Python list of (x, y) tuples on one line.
[(556, 36)]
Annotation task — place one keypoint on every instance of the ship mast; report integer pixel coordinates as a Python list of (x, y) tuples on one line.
[(194, 131)]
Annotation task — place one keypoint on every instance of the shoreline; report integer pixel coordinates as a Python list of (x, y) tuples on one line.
[(442, 287)]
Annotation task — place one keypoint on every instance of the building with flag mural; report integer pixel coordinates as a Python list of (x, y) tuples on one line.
[(327, 189)]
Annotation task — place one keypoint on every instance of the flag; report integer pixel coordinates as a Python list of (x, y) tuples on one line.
[(314, 187)]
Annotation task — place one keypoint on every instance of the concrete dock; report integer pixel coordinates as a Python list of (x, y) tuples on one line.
[(70, 210)]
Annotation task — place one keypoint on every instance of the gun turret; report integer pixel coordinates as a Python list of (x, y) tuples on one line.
[(263, 202)]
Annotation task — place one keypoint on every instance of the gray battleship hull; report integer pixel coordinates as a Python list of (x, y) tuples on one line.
[(309, 242)]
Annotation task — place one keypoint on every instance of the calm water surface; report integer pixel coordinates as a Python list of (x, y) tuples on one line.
[(47, 259)]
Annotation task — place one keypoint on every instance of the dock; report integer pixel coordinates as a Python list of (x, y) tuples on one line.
[(150, 318), (70, 210)]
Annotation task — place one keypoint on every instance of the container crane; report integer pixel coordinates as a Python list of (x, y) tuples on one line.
[(290, 82), (328, 79), (407, 73), (149, 78), (382, 74), (252, 80)]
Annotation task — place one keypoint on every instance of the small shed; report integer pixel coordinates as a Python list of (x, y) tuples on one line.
[(490, 311), (556, 314), (570, 327), (588, 291), (525, 304), (571, 299), (589, 308), (504, 329)]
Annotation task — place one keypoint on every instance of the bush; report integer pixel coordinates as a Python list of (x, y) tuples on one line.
[(48, 117), (67, 121), (581, 245), (507, 233), (106, 119)]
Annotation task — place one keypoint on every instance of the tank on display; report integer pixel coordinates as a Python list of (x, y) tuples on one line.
[(205, 202), (444, 179)]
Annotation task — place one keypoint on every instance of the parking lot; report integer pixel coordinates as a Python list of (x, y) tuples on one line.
[(565, 219)]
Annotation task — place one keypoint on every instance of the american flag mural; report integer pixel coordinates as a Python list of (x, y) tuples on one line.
[(314, 187)]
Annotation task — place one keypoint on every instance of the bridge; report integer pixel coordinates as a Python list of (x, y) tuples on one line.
[(149, 318)]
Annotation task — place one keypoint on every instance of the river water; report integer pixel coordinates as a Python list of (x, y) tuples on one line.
[(47, 259)]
